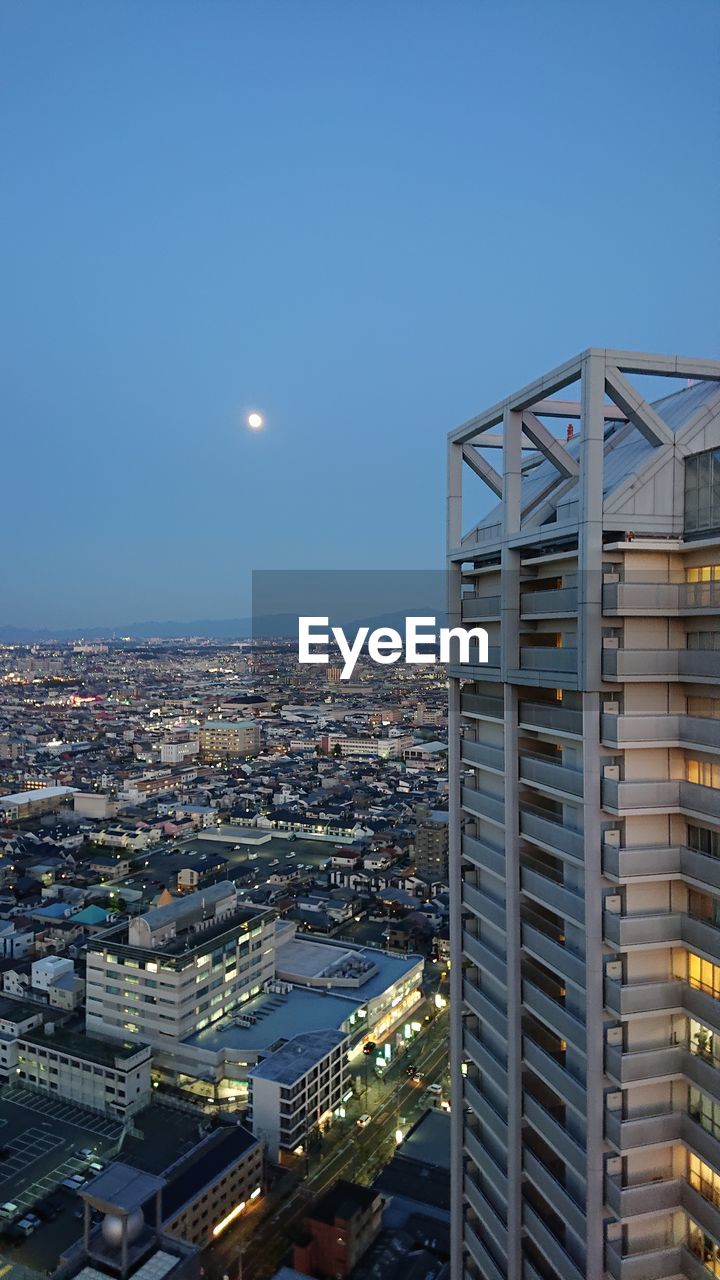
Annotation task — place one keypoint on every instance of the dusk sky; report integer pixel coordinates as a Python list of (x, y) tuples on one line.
[(366, 220)]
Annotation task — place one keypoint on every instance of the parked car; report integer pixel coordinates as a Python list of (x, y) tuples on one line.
[(26, 1226)]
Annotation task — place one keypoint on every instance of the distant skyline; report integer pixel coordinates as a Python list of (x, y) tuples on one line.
[(363, 221)]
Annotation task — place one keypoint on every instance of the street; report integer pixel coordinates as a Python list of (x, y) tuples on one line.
[(266, 1233)]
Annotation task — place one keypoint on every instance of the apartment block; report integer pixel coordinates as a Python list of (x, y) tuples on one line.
[(177, 969), (296, 1090), (585, 825), (229, 739)]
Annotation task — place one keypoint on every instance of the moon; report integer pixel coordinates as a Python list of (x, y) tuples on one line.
[(255, 420)]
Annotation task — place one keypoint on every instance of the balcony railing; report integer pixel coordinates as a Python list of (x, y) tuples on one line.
[(482, 704), (659, 664), (669, 795), (539, 827), (478, 753), (475, 607), (558, 602), (660, 598), (483, 804), (547, 658), (551, 716), (660, 731), (552, 774)]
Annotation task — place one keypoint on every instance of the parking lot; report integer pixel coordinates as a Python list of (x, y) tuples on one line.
[(40, 1137)]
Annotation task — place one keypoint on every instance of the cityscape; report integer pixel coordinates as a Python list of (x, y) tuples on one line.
[(360, 640)]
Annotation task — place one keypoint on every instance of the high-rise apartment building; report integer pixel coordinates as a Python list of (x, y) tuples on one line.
[(585, 827)]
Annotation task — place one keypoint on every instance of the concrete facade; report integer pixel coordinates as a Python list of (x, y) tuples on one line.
[(585, 828)]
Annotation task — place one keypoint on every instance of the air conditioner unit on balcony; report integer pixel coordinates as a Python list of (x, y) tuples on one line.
[(614, 970), (611, 642), (612, 837), (613, 903), (614, 1036), (611, 772), (611, 708), (610, 577)]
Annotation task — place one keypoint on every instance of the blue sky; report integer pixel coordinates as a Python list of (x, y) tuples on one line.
[(367, 220)]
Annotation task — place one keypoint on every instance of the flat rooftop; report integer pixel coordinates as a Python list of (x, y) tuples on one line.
[(306, 958), (277, 1017), (297, 1057), (79, 1045), (204, 1165)]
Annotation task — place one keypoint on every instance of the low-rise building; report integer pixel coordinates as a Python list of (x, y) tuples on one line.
[(298, 1089), (338, 1230), (208, 1188), (113, 1078)]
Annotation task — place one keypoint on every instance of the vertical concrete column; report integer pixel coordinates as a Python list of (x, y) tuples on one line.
[(453, 536), (510, 659), (589, 662)]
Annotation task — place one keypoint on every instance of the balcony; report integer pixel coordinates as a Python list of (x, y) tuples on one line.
[(485, 905), (655, 1262), (642, 929), (484, 757), (643, 997), (653, 1194), (555, 1074), (549, 1245), (661, 796), (553, 775), (554, 954), (555, 1193), (645, 1064), (483, 805), (484, 1111), (546, 665), (660, 599), (483, 956), (475, 608), (659, 665), (553, 1014), (483, 855), (660, 731), (551, 717), (492, 1225), (642, 861), (566, 902), (554, 1132), (553, 835), (482, 705), (649, 861), (559, 602), (642, 1130), (482, 1258), (484, 1060), (487, 1010)]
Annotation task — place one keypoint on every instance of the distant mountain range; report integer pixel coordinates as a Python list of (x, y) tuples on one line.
[(277, 624)]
